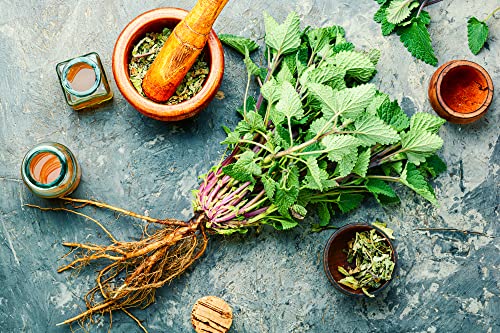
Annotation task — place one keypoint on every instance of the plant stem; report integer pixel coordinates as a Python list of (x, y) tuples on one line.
[(432, 2), (422, 7), (492, 14)]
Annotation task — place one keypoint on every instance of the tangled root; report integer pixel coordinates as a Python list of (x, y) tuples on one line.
[(135, 269)]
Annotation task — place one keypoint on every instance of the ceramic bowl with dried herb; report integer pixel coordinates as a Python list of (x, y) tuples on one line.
[(360, 259), (135, 50)]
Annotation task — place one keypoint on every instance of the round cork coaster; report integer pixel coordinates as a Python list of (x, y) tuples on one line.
[(211, 315)]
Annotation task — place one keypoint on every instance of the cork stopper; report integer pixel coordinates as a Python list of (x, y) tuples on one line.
[(211, 315)]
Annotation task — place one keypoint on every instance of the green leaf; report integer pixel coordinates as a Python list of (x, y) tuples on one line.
[(289, 103), (238, 43), (399, 10), (252, 68), (380, 14), (271, 90), (378, 186), (328, 75), (315, 172), (417, 40), (283, 38), (323, 214), (477, 34), (361, 166), (433, 165), (412, 178), (284, 199), (376, 103), (349, 201), (356, 65), (348, 102), (387, 27), (392, 114), (371, 130), (318, 38), (339, 146), (422, 121), (244, 169), (284, 223), (346, 164), (285, 75), (419, 144), (269, 186), (298, 211)]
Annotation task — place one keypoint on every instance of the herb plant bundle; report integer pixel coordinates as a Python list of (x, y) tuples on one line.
[(318, 138)]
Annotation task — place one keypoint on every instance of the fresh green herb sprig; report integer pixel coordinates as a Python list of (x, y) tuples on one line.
[(409, 21), (477, 32), (372, 258), (145, 52), (317, 138)]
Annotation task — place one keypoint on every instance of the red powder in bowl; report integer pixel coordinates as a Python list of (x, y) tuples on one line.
[(464, 89)]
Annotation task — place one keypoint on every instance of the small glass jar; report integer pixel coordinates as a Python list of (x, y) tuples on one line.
[(50, 170), (83, 81)]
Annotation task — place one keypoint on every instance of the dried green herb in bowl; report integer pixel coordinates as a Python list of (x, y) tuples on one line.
[(370, 260), (145, 52)]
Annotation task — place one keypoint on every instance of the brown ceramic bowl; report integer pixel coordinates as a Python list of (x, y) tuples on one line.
[(461, 91), (334, 256), (156, 20)]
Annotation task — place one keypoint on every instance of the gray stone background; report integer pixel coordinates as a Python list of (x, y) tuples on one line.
[(447, 282)]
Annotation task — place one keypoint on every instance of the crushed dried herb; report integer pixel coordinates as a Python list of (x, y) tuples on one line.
[(145, 52), (372, 256)]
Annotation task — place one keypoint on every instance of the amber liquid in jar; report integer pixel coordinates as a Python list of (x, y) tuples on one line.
[(45, 168), (81, 76)]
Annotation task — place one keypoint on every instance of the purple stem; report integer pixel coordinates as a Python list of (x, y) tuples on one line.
[(254, 200), (256, 212)]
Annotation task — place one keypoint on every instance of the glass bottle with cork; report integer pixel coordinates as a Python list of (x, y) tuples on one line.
[(84, 81)]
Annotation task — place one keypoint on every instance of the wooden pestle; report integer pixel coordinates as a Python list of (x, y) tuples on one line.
[(181, 49)]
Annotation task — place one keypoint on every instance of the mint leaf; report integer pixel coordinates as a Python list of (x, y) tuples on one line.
[(477, 34), (412, 178), (238, 43), (433, 165), (269, 186), (378, 186), (371, 130), (283, 38), (244, 168), (420, 144), (346, 164), (289, 104), (347, 102), (349, 201), (392, 114), (338, 146), (252, 68), (399, 10), (356, 65), (361, 166), (271, 90), (417, 40), (298, 211), (315, 172), (422, 121), (323, 214)]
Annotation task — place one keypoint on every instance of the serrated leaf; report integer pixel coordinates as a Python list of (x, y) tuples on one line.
[(289, 103), (346, 164), (284, 224), (387, 27), (252, 68), (317, 125), (392, 114), (315, 172), (376, 102), (361, 166), (433, 165), (318, 38), (348, 102), (419, 144), (269, 186), (378, 186), (349, 201), (425, 17), (271, 90), (323, 214), (328, 75), (399, 10), (285, 37), (285, 75), (371, 130), (238, 43), (356, 65), (422, 121), (417, 40), (244, 168), (412, 178), (380, 14), (477, 34), (232, 138), (339, 146)]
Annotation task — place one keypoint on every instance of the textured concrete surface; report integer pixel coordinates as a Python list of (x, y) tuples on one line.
[(447, 281)]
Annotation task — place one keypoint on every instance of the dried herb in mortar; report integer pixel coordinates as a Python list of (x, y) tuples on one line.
[(372, 256), (145, 52)]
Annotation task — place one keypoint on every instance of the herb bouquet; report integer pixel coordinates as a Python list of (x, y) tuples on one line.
[(317, 139)]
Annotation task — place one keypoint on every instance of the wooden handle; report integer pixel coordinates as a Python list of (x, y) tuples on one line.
[(181, 49)]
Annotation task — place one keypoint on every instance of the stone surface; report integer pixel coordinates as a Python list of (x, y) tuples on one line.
[(274, 281)]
